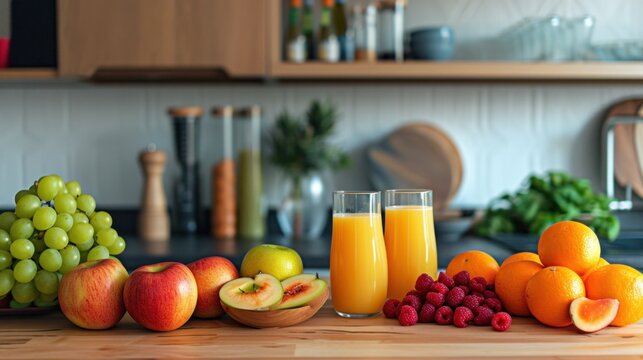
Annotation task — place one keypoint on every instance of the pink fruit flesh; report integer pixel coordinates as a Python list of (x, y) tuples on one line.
[(593, 315)]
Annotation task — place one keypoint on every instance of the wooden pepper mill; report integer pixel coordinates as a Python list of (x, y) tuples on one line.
[(153, 220)]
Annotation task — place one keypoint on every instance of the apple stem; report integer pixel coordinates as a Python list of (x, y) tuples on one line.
[(243, 292)]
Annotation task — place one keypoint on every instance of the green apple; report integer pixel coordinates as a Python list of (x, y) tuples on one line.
[(279, 261)]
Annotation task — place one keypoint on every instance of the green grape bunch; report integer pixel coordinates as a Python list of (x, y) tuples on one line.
[(54, 227)]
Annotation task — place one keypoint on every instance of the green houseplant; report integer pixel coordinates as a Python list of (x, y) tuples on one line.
[(300, 146)]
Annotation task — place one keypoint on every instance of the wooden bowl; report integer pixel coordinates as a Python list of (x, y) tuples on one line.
[(277, 318)]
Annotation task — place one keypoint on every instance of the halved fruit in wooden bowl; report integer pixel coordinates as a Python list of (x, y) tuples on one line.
[(300, 297)]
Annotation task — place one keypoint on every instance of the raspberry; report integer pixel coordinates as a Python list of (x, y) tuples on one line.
[(478, 284), (390, 308), (435, 299), (421, 295), (423, 283), (465, 288), (462, 317), (483, 316), (414, 301), (479, 295), (491, 287), (494, 304), (501, 321), (408, 316), (461, 278), (488, 294), (440, 288), (455, 297), (443, 315), (471, 301), (446, 280), (427, 313)]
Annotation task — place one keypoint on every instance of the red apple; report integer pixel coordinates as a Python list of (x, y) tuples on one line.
[(210, 274), (91, 295), (161, 296)]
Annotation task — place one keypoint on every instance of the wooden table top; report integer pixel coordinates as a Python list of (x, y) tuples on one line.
[(326, 335)]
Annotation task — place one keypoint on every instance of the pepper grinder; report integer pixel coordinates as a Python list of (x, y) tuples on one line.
[(153, 220), (186, 186)]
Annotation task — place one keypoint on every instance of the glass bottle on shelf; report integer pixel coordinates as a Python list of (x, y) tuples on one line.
[(295, 40), (308, 29), (344, 33), (365, 32), (186, 207), (391, 30), (224, 200), (328, 45), (250, 219)]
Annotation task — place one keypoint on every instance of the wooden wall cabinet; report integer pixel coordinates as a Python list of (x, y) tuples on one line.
[(231, 35)]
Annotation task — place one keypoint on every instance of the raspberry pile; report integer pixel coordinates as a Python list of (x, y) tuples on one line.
[(460, 301)]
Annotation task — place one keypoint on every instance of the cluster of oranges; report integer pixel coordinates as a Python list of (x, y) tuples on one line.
[(567, 267)]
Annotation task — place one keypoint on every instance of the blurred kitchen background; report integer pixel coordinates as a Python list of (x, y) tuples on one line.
[(518, 87)]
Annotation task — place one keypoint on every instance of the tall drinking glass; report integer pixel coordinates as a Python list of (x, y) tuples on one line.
[(358, 270), (410, 239)]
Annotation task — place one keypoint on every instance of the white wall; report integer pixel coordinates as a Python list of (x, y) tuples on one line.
[(504, 131), (94, 132)]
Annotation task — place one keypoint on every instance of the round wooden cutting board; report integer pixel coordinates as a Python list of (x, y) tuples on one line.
[(417, 156)]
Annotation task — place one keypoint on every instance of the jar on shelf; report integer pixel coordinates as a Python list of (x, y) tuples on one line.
[(224, 196), (391, 29), (250, 219), (365, 32)]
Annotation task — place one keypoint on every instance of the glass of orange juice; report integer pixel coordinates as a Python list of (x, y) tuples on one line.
[(410, 239), (358, 270)]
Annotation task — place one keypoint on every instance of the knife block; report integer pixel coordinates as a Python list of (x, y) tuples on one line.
[(153, 220)]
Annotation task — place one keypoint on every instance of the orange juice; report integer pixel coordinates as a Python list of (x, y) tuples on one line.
[(410, 247), (358, 270)]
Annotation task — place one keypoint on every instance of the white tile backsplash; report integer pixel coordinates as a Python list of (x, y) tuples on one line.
[(93, 133)]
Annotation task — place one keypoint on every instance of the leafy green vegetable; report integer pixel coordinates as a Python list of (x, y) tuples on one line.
[(545, 200)]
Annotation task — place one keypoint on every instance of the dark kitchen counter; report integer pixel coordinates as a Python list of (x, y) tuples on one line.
[(315, 253)]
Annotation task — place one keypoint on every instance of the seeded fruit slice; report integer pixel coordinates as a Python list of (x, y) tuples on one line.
[(299, 290), (259, 293), (593, 315)]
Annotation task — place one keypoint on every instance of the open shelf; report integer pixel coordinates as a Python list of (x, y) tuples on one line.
[(28, 73), (426, 70)]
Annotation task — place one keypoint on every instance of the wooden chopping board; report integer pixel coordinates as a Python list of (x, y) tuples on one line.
[(627, 166), (418, 156), (324, 336)]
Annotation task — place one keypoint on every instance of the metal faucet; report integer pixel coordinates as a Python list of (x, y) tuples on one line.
[(608, 160)]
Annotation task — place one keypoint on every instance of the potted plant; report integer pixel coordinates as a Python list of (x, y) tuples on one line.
[(300, 147)]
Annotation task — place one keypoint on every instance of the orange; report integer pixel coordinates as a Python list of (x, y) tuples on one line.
[(570, 244), (477, 263), (601, 262), (550, 292), (511, 282), (521, 256), (619, 282)]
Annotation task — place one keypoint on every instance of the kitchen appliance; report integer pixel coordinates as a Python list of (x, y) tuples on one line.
[(620, 158), (185, 210), (33, 34)]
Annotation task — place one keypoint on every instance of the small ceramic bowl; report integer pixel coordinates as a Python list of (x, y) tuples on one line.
[(434, 43)]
